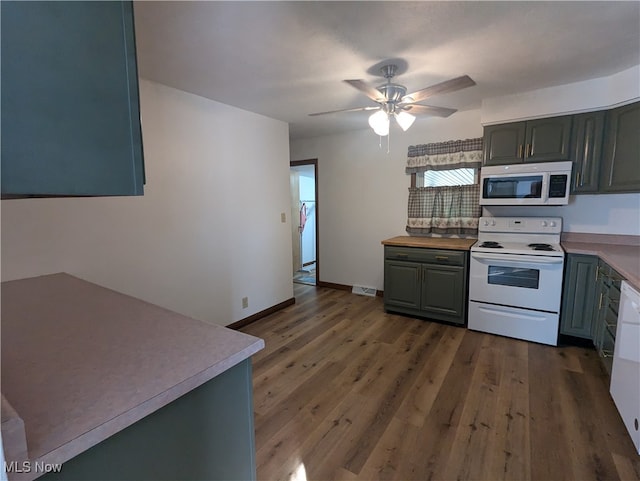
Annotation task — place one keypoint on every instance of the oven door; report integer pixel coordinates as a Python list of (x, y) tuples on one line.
[(525, 281)]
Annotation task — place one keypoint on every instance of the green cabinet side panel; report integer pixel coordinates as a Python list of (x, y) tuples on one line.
[(548, 139), (207, 434), (586, 151), (504, 143), (579, 296), (621, 160), (70, 101)]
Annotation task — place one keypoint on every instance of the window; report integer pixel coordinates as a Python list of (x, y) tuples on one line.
[(443, 178)]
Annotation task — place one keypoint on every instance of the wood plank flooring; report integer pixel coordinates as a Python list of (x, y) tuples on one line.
[(345, 391)]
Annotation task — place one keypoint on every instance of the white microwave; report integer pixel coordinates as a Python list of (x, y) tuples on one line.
[(545, 183)]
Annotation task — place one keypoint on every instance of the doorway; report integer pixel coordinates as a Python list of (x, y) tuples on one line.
[(303, 178)]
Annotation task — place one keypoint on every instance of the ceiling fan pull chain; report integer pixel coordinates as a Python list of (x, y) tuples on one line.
[(388, 141)]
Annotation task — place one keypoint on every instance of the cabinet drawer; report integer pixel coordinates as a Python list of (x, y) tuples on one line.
[(606, 350), (432, 256), (611, 322), (614, 297)]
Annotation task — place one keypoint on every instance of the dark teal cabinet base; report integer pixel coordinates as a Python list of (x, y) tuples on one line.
[(425, 282), (207, 434), (579, 296)]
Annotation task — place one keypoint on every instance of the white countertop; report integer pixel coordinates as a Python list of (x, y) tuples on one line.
[(81, 362)]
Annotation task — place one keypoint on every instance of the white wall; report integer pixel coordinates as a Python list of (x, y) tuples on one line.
[(363, 192), (206, 233), (589, 95), (596, 214), (601, 214)]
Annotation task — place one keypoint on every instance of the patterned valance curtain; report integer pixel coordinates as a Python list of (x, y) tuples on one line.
[(452, 210), (453, 154)]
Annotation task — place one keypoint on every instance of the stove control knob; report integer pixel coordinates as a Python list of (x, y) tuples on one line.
[(493, 222), (552, 223), (544, 223), (486, 222)]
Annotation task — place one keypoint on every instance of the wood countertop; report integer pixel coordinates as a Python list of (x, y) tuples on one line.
[(81, 362), (620, 252), (431, 242)]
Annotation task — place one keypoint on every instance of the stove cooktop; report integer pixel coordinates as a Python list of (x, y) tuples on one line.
[(517, 247), (520, 235)]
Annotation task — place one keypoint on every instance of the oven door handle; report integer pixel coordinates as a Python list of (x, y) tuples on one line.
[(522, 258)]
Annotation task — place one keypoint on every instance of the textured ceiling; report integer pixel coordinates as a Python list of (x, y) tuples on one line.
[(286, 60)]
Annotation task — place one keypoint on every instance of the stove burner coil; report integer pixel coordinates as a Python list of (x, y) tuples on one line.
[(491, 245), (541, 247)]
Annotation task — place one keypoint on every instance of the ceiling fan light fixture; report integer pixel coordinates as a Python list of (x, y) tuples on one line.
[(405, 120), (379, 122)]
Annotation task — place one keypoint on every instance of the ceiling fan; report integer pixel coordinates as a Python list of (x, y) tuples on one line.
[(394, 101)]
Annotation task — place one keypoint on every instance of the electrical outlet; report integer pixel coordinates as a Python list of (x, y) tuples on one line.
[(283, 217), (245, 302)]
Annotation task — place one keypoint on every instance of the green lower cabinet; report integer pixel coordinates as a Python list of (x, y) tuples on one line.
[(442, 287), (402, 284), (430, 283), (207, 434), (590, 299), (579, 296)]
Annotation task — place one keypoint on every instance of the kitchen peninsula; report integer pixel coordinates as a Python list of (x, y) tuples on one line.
[(117, 388)]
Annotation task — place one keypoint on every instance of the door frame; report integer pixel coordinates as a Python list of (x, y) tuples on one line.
[(314, 162)]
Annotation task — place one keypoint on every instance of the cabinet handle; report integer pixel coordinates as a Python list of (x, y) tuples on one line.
[(578, 179), (520, 151), (606, 353), (597, 273), (402, 256), (529, 150), (600, 302), (442, 258)]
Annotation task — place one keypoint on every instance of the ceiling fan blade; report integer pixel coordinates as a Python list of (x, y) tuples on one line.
[(371, 92), (429, 110), (357, 109), (441, 88)]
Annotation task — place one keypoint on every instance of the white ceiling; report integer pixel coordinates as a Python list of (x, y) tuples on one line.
[(286, 60)]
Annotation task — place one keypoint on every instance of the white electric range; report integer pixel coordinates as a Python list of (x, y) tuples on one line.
[(515, 278)]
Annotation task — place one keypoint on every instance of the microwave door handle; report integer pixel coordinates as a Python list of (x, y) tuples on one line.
[(545, 189), (522, 258)]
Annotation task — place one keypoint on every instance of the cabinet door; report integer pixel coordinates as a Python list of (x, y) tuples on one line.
[(586, 149), (504, 144), (443, 290), (70, 108), (621, 160), (402, 284), (548, 139), (579, 295)]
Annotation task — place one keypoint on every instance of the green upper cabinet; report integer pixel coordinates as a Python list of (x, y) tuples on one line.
[(621, 159), (586, 151), (504, 143), (70, 105), (548, 139), (540, 140)]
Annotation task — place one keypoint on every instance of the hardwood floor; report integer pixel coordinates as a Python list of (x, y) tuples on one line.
[(345, 391)]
